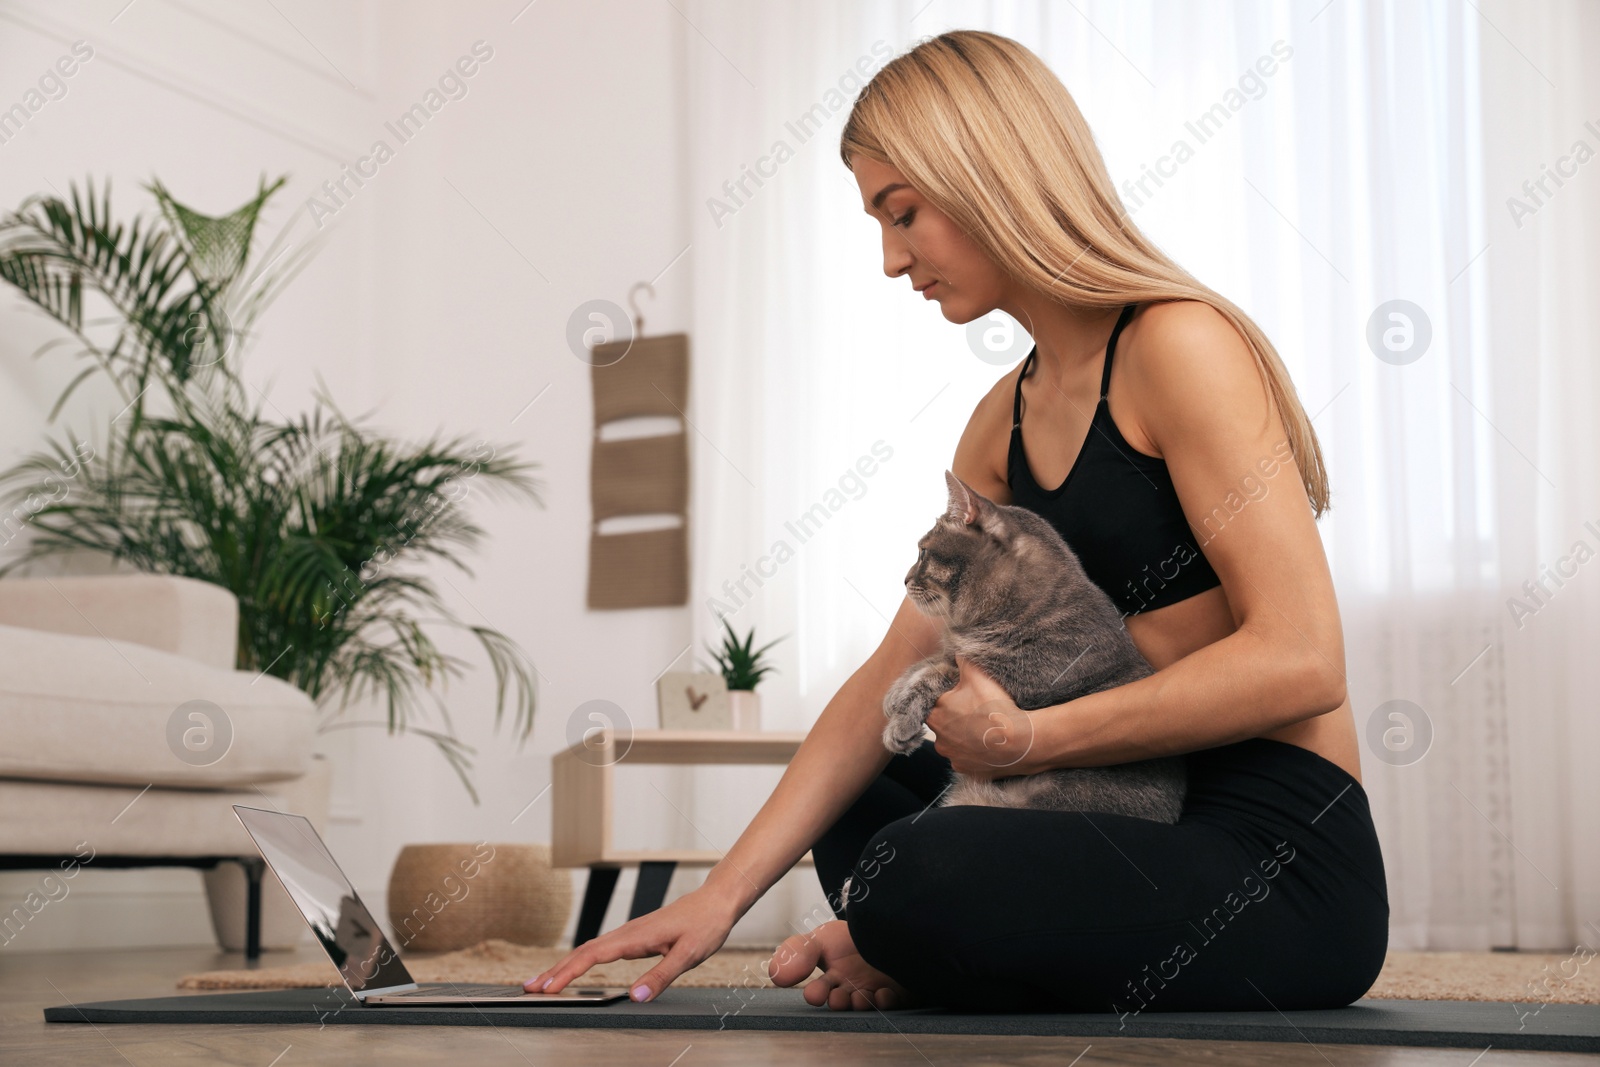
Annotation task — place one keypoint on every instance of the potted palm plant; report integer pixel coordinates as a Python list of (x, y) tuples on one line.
[(314, 522), (742, 669)]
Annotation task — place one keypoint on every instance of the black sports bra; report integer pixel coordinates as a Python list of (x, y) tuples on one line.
[(1117, 509)]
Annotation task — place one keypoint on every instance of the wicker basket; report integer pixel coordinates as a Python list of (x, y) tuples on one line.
[(446, 897)]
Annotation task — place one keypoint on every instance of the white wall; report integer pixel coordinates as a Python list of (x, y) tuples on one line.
[(439, 302)]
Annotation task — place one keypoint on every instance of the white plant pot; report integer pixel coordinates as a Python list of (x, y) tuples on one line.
[(744, 705)]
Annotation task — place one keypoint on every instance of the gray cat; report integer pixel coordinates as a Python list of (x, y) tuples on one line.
[(1018, 605)]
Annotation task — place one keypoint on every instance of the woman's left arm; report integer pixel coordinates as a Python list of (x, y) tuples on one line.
[(1208, 411)]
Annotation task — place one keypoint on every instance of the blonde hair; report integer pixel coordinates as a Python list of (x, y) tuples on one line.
[(986, 131)]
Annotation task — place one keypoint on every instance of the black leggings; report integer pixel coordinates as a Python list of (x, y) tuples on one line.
[(1269, 893)]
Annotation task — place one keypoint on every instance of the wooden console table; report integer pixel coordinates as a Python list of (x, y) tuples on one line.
[(581, 796)]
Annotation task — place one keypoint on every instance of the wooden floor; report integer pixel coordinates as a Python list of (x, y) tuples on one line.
[(30, 982)]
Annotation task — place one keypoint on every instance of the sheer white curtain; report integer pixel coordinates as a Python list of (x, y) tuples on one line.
[(1314, 163), (1535, 324)]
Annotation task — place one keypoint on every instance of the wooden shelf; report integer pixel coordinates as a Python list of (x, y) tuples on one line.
[(688, 746), (583, 778), (583, 781)]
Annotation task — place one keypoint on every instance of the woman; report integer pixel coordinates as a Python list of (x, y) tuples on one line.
[(1188, 479)]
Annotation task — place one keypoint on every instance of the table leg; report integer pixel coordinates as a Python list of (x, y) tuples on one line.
[(596, 898), (651, 889)]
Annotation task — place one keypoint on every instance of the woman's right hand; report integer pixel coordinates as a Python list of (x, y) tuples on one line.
[(684, 933)]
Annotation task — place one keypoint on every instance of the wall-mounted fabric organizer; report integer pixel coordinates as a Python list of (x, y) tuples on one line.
[(648, 376)]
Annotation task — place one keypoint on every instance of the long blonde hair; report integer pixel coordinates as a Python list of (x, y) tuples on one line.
[(986, 131)]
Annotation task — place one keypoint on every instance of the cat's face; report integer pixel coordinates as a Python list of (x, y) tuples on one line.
[(971, 546)]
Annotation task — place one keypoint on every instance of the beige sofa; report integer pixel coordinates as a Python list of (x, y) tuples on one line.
[(126, 736)]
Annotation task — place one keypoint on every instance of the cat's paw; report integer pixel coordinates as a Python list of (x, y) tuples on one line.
[(903, 734), (901, 695)]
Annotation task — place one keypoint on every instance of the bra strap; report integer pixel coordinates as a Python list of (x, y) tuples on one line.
[(1111, 348), (1105, 375), (1016, 403)]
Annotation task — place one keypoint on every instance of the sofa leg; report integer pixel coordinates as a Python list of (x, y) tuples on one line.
[(254, 868)]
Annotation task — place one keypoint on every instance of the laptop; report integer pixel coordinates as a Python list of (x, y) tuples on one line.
[(347, 932)]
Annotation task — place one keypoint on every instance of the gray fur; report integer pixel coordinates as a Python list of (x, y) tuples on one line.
[(1018, 605)]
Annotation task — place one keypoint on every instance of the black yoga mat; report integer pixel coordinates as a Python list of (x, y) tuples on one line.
[(1438, 1023)]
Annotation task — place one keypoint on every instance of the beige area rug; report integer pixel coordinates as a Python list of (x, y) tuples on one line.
[(1519, 977)]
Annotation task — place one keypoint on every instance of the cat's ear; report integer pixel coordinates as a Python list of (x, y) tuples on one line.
[(965, 502), (971, 507), (960, 505)]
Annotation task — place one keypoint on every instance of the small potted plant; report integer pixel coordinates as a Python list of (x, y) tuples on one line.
[(742, 669)]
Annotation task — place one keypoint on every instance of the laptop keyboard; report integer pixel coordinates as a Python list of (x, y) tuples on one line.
[(454, 990)]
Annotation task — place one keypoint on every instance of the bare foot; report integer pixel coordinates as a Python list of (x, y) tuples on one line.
[(847, 981)]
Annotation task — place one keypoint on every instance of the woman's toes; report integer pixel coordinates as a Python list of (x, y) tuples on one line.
[(841, 998), (817, 993), (796, 958), (847, 981)]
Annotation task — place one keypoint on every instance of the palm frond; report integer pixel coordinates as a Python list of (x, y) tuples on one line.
[(318, 524)]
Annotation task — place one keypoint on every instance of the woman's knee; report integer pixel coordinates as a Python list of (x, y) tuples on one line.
[(864, 875), (879, 907), (911, 912), (837, 850), (900, 876)]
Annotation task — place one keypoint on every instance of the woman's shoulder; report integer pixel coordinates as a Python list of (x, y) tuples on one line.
[(1177, 331), (1171, 338), (1175, 352)]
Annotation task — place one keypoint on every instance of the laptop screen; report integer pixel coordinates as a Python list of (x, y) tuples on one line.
[(343, 925)]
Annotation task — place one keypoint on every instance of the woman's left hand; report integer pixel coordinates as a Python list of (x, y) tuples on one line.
[(980, 729)]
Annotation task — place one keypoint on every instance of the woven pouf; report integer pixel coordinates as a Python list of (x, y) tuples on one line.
[(446, 897)]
